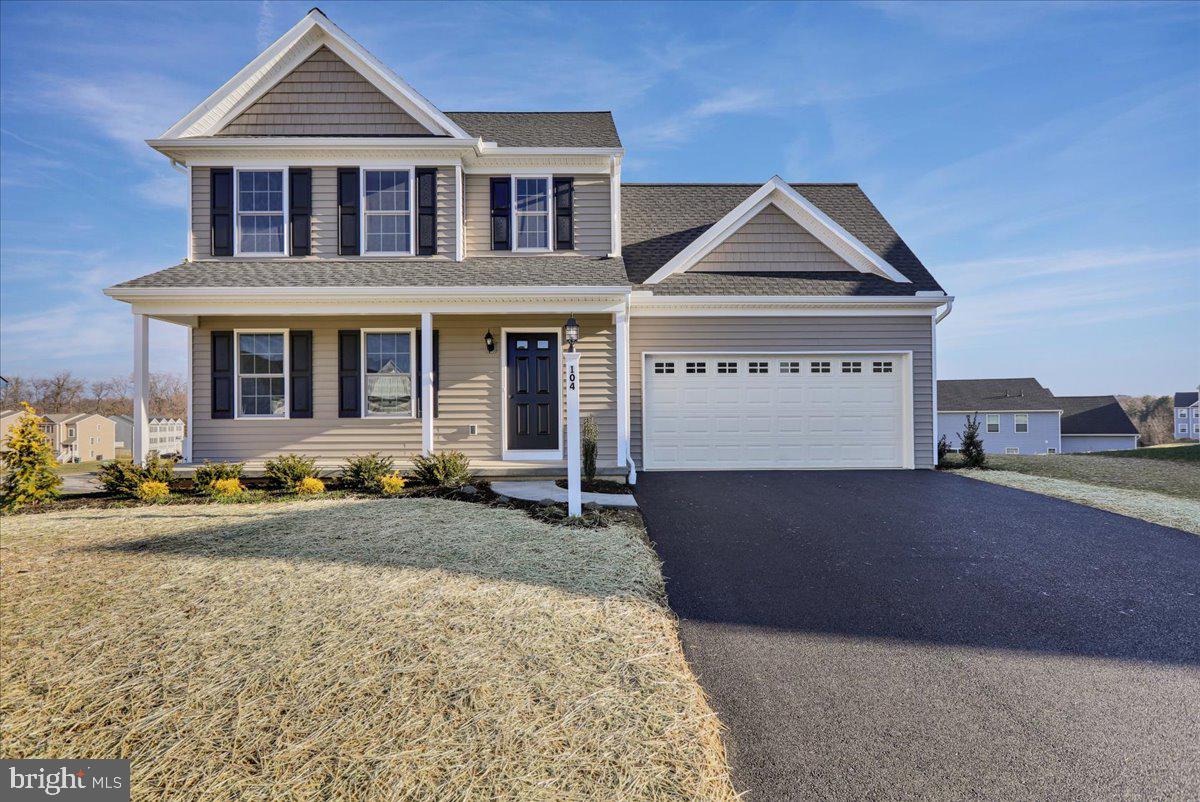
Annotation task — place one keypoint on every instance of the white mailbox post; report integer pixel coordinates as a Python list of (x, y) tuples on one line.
[(571, 366)]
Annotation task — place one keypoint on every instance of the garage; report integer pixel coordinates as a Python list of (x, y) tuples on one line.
[(762, 411)]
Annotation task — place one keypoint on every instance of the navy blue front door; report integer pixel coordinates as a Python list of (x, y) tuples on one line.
[(533, 416)]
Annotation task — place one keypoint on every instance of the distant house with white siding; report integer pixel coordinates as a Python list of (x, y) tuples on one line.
[(166, 434), (1187, 415)]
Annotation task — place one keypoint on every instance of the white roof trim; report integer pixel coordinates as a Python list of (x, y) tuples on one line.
[(301, 41), (779, 193)]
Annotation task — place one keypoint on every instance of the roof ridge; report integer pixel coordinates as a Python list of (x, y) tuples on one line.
[(505, 111)]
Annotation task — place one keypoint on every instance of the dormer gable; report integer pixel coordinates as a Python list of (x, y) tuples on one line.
[(771, 241)]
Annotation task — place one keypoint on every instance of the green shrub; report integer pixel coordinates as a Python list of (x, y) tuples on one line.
[(210, 472), (589, 434), (443, 469), (365, 472), (943, 448), (123, 477), (971, 446), (290, 470), (153, 491), (29, 465)]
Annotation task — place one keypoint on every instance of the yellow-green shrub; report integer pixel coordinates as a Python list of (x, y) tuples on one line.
[(28, 475), (151, 490), (227, 488), (310, 486), (392, 484)]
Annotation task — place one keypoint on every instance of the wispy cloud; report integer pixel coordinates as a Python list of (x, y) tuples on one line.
[(165, 190), (127, 107), (680, 127), (264, 32)]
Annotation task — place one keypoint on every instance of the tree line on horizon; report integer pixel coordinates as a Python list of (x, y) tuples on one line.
[(1154, 417), (65, 392)]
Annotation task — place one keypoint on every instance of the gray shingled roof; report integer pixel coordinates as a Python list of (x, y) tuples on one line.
[(541, 129), (660, 220), (1186, 399), (993, 395), (492, 271), (1094, 414)]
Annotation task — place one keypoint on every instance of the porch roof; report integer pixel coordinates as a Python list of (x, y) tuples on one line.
[(561, 270)]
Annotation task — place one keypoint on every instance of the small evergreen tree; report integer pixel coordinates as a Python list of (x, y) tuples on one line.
[(29, 465), (589, 434), (972, 446), (943, 448)]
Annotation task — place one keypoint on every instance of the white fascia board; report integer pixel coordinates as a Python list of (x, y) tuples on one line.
[(796, 206), (644, 304), (312, 142), (491, 149)]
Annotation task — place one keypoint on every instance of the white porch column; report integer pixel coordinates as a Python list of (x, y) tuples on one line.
[(574, 499), (427, 382), (621, 343), (187, 417), (141, 387)]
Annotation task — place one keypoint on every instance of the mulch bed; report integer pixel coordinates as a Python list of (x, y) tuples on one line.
[(599, 486)]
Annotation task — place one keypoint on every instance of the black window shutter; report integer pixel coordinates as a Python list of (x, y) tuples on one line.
[(420, 394), (348, 211), (349, 353), (426, 211), (222, 374), (300, 350), (300, 209), (221, 210), (501, 214), (564, 214)]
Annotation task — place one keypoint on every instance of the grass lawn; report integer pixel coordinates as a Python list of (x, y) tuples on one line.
[(72, 468), (1153, 476), (1178, 452), (350, 649)]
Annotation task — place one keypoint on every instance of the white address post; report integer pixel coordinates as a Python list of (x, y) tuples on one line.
[(574, 502)]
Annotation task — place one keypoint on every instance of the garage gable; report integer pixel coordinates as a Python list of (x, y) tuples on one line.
[(771, 241)]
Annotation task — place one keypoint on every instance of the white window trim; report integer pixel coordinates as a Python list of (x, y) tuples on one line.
[(237, 212), (987, 423), (1016, 422), (412, 210), (237, 374), (531, 455), (549, 213), (1011, 450), (412, 372)]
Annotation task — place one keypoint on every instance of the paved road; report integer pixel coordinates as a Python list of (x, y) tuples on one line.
[(75, 483), (901, 634)]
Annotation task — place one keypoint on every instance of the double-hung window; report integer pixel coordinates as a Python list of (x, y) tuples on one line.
[(262, 377), (260, 212), (1021, 423), (993, 423), (531, 207), (388, 378), (387, 207)]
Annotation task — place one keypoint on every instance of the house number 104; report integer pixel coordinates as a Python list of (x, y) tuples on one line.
[(571, 378)]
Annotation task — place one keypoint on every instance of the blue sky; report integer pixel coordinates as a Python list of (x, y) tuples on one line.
[(1043, 160)]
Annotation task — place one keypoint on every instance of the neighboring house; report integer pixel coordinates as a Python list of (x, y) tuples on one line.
[(1095, 423), (1016, 416), (166, 435), (74, 437), (366, 272), (1020, 416), (1187, 416)]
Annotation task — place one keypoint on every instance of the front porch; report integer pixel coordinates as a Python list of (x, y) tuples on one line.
[(468, 387)]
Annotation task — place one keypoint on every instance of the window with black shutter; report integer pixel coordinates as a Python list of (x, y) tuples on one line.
[(426, 211), (222, 374), (300, 354), (564, 214), (501, 214), (349, 357), (300, 210), (221, 211), (348, 211)]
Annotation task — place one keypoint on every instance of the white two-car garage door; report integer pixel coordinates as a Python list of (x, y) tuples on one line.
[(764, 411)]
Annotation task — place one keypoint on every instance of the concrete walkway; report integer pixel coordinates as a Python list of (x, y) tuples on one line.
[(542, 489)]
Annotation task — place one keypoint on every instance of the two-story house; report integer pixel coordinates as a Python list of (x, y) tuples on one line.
[(1186, 417), (165, 435), (73, 436), (366, 272)]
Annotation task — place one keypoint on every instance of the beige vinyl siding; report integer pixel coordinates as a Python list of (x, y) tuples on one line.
[(324, 96), (469, 391), (593, 215), (799, 334), (771, 241), (324, 213)]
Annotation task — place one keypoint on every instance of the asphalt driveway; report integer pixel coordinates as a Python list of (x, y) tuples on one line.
[(900, 634)]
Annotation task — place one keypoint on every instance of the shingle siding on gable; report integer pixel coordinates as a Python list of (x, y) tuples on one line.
[(324, 96), (771, 241)]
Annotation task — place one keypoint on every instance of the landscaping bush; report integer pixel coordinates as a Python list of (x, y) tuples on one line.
[(29, 465), (227, 488), (152, 491), (123, 477), (589, 434), (392, 484), (943, 448), (972, 447), (310, 486), (365, 473), (290, 470), (443, 469), (210, 472)]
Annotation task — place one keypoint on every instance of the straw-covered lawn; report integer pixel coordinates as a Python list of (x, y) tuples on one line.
[(1180, 513), (350, 649), (1154, 476)]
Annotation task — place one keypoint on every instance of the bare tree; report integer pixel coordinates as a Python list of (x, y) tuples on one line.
[(168, 395), (110, 396), (62, 392), (18, 389)]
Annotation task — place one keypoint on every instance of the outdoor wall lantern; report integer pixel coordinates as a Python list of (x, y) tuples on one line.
[(489, 341), (571, 333)]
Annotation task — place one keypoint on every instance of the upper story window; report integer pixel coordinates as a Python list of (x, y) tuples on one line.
[(387, 206), (261, 385), (1021, 423), (993, 423), (531, 207), (1183, 413), (260, 212)]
